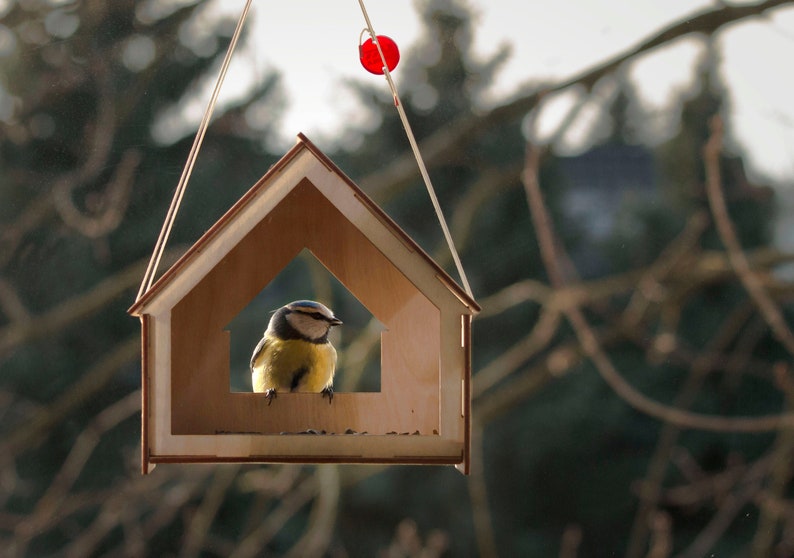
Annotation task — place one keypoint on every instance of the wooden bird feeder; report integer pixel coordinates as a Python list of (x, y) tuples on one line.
[(421, 415)]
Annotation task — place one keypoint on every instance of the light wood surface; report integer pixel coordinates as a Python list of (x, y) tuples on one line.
[(201, 401), (421, 414)]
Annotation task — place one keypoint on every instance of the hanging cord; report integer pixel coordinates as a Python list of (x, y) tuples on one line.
[(165, 232), (417, 154)]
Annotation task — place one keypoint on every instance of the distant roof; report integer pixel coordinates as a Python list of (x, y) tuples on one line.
[(610, 166)]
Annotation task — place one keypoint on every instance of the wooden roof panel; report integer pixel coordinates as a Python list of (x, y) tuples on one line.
[(302, 146)]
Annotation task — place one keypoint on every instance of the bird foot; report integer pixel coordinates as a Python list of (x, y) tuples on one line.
[(329, 393), (270, 394)]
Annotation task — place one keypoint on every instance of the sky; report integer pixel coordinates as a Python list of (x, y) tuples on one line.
[(313, 44)]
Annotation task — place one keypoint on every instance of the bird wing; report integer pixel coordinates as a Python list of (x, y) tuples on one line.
[(258, 350)]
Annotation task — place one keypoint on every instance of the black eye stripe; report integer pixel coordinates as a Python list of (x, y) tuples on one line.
[(315, 315)]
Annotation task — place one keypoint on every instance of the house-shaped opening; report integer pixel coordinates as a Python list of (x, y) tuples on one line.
[(357, 341)]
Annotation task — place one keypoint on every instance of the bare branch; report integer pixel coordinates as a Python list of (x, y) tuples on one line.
[(290, 504), (513, 295), (664, 451), (478, 493), (780, 473), (727, 511), (31, 217), (93, 381), (318, 534), (736, 256), (556, 363), (130, 500), (661, 541), (97, 145), (571, 541), (205, 515), (509, 361), (10, 303), (50, 503), (73, 309), (111, 207), (592, 347), (649, 287)]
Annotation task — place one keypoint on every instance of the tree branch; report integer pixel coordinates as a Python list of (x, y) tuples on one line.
[(90, 383), (112, 205), (478, 493), (199, 526), (592, 347), (727, 232), (74, 309), (49, 504)]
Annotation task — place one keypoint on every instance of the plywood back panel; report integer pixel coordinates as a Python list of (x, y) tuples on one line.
[(200, 398)]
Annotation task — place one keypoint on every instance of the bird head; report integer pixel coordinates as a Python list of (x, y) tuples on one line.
[(310, 320)]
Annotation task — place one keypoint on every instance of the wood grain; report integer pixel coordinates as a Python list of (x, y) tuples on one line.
[(422, 412)]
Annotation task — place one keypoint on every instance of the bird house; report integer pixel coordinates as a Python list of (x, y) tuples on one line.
[(421, 415)]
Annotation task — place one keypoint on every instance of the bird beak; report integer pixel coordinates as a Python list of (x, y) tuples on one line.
[(335, 321)]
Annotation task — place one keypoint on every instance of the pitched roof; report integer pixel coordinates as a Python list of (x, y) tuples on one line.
[(303, 144)]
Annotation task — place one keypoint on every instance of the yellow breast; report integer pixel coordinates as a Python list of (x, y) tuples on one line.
[(293, 365)]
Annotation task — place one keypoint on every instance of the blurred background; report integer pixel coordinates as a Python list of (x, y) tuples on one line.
[(622, 209)]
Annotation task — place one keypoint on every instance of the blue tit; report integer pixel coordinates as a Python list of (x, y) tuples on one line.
[(295, 354)]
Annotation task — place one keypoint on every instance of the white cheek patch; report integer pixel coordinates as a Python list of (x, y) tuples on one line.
[(307, 325)]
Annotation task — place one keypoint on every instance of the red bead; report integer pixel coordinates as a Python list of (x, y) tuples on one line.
[(370, 57)]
